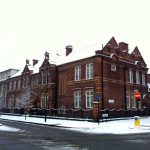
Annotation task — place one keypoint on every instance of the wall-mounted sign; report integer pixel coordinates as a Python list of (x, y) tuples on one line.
[(111, 101), (98, 97)]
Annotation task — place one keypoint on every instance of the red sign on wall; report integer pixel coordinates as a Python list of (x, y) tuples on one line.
[(137, 95)]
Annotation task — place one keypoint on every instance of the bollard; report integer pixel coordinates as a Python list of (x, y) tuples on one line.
[(137, 121)]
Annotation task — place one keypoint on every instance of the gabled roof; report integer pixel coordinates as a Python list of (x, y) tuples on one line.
[(26, 70), (45, 63), (136, 52), (112, 43), (83, 53), (136, 55)]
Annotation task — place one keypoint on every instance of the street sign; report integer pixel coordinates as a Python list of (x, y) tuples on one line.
[(137, 95), (98, 97)]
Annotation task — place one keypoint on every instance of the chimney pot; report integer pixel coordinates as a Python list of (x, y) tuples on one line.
[(69, 49)]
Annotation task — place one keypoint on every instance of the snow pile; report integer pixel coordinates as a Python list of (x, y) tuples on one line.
[(110, 127), (7, 128)]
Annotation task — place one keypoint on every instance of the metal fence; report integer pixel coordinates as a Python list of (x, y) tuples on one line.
[(79, 113)]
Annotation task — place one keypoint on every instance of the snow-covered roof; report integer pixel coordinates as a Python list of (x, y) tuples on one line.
[(35, 68), (17, 74), (75, 55)]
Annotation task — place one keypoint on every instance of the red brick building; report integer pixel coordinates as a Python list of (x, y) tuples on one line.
[(110, 75)]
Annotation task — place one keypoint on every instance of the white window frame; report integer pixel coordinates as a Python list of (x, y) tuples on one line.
[(128, 100), (44, 76), (133, 101), (137, 77), (89, 71), (143, 78), (24, 82), (43, 101), (10, 85), (14, 85), (19, 84), (139, 104), (89, 98), (113, 67), (77, 73), (77, 99), (130, 75)]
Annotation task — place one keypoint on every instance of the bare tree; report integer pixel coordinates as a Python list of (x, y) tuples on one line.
[(23, 101)]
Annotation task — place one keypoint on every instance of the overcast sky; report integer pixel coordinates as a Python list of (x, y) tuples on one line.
[(28, 28)]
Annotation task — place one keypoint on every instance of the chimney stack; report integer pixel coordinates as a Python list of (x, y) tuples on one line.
[(35, 61), (47, 55), (123, 47), (27, 62), (69, 49)]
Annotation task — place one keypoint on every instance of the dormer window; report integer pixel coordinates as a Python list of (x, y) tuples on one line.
[(113, 67)]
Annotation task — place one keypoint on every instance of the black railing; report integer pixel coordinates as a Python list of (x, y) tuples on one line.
[(79, 113)]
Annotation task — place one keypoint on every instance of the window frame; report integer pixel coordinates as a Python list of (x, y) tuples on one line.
[(89, 71), (133, 101), (44, 101), (77, 99), (137, 77), (89, 94), (77, 73), (131, 76), (143, 79), (128, 105)]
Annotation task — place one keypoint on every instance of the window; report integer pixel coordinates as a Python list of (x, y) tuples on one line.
[(131, 76), (89, 98), (44, 76), (10, 85), (138, 104), (137, 77), (128, 100), (133, 102), (77, 73), (113, 67), (44, 101), (89, 71), (77, 99), (19, 84), (14, 86), (62, 83), (143, 79), (24, 82)]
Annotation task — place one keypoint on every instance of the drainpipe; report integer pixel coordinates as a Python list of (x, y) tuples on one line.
[(102, 82), (125, 87)]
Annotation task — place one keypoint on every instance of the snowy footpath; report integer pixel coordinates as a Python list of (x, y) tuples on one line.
[(110, 127)]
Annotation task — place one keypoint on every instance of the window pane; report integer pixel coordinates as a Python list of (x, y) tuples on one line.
[(77, 99), (89, 98), (89, 71)]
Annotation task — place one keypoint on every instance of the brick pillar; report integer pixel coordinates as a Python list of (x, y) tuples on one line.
[(96, 112)]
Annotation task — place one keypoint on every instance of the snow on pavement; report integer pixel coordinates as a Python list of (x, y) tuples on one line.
[(7, 128), (110, 127)]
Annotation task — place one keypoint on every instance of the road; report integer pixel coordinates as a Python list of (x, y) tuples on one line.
[(39, 137)]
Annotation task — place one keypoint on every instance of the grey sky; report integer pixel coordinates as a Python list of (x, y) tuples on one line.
[(28, 28)]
